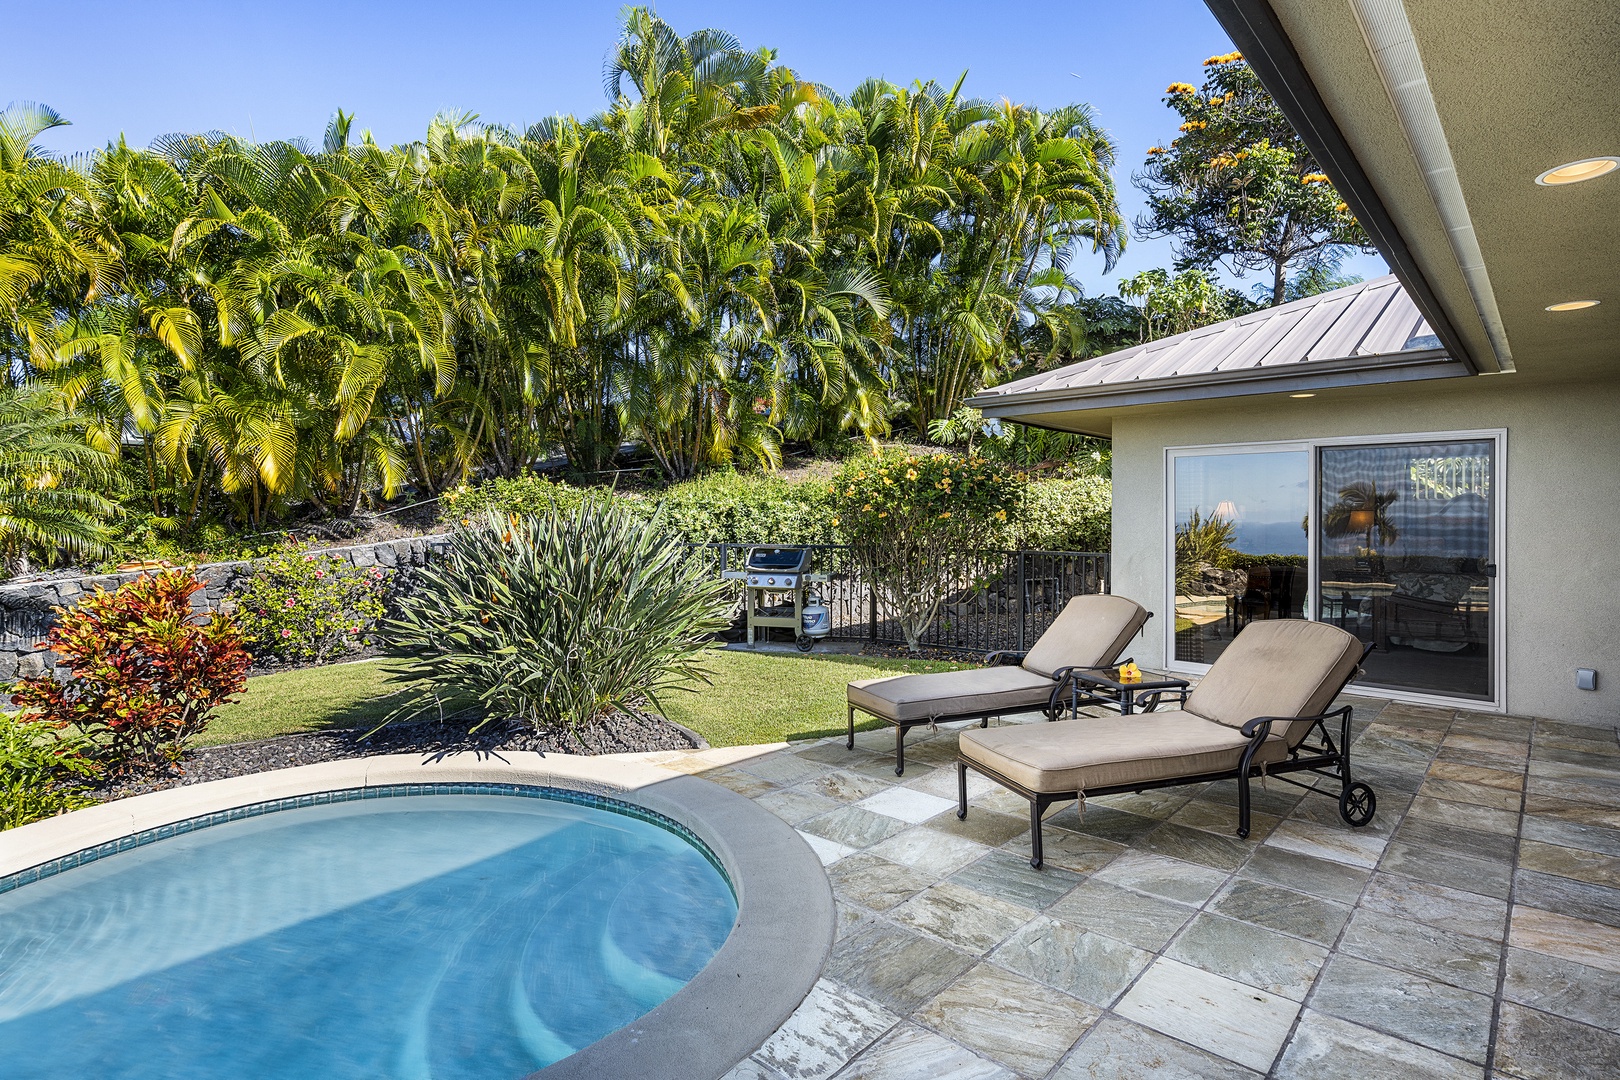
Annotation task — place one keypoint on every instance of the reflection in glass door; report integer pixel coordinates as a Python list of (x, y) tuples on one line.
[(1405, 561), (1240, 536)]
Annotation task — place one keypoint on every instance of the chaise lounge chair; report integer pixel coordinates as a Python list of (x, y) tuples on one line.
[(1091, 631), (1254, 714)]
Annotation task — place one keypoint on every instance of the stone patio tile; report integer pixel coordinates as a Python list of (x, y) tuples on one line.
[(1600, 747), (1260, 958), (1436, 905), (1107, 823), (1577, 812), (1390, 742), (827, 752), (1327, 1048), (1324, 811), (1157, 804), (1008, 876), (1466, 815), (930, 850), (940, 752), (942, 782), (832, 1025), (1462, 960), (1556, 934), (1490, 846), (1080, 852), (1387, 778), (1550, 892), (876, 883), (895, 966), (749, 1069), (1589, 866), (1479, 744), (1588, 994), (1003, 801), (1222, 818), (983, 826), (782, 768), (1088, 966), (1164, 877), (910, 1053), (1306, 873), (962, 917), (1117, 1049), (1225, 1017), (1574, 730), (1144, 921), (1432, 1014), (1464, 756), (1196, 846), (1443, 868), (1420, 716), (1570, 834), (828, 851), (793, 805), (908, 805), (878, 766), (741, 782), (1283, 909), (844, 786), (1006, 1017), (1600, 772), (1506, 779), (847, 919), (1540, 1046), (1481, 794), (1491, 726), (853, 827), (1278, 800), (1338, 843)]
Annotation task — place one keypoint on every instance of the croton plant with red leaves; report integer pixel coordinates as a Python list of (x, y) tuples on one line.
[(148, 672)]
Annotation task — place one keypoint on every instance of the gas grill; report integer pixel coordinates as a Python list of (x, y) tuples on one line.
[(776, 583)]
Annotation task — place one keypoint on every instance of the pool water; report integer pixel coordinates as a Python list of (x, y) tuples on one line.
[(449, 937)]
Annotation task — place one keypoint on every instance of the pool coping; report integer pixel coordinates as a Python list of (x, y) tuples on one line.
[(773, 956)]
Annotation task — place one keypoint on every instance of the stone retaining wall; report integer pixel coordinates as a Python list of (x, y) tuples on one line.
[(26, 614)]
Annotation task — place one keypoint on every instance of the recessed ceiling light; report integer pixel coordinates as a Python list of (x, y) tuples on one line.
[(1576, 171), (1573, 305), (1301, 395)]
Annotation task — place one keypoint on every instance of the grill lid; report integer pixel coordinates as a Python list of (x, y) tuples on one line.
[(779, 559)]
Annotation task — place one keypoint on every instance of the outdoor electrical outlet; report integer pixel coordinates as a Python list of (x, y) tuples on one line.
[(1586, 678)]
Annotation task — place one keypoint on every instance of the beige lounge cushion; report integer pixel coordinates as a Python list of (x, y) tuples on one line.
[(1280, 667), (974, 692), (1090, 631), (1081, 755)]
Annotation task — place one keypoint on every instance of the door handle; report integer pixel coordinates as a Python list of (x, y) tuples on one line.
[(1490, 569)]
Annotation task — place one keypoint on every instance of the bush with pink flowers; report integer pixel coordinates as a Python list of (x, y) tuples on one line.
[(304, 608)]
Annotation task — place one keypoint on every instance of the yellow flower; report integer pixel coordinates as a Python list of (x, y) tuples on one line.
[(835, 521), (1180, 88), (1001, 515), (911, 474), (881, 514), (945, 514), (1314, 178), (867, 507), (1343, 208), (1155, 150)]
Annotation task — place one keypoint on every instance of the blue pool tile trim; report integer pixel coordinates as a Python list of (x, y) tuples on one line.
[(386, 791)]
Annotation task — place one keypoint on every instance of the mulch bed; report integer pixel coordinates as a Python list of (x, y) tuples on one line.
[(624, 732)]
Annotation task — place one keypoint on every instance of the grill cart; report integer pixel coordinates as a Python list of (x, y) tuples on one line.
[(776, 594)]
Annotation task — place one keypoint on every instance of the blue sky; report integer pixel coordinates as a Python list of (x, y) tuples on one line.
[(277, 70)]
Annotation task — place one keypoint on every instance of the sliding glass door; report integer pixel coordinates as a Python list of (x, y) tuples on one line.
[(1391, 539), (1239, 543), (1405, 560)]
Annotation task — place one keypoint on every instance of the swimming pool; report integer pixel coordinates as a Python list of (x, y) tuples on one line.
[(446, 936)]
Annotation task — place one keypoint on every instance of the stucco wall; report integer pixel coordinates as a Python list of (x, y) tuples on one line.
[(1561, 553)]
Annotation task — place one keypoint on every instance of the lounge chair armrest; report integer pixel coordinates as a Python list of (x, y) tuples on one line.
[(1261, 725), (1002, 657)]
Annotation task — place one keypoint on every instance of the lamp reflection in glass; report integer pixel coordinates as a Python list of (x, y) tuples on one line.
[(1227, 511)]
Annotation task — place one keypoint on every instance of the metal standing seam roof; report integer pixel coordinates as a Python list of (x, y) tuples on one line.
[(1367, 320)]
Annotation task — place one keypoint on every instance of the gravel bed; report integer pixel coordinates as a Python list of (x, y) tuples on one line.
[(625, 732)]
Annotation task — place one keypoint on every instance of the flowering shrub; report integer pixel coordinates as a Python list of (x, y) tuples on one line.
[(297, 606), (41, 771), (918, 526), (148, 671)]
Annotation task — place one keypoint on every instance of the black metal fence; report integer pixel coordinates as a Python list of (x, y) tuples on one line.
[(1014, 597)]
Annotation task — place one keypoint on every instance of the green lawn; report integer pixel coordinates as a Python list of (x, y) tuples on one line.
[(754, 698)]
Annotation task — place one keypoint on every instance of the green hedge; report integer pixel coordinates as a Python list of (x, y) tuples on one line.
[(760, 508)]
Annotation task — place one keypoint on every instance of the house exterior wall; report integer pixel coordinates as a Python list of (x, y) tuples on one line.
[(1561, 549)]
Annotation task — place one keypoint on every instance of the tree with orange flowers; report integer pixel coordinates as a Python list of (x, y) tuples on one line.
[(1238, 186)]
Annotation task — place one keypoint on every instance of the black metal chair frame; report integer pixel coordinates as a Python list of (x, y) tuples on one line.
[(1325, 758)]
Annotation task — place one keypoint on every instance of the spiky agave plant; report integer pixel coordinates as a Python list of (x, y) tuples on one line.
[(557, 619)]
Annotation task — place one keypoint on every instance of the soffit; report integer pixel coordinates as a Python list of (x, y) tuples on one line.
[(1519, 88)]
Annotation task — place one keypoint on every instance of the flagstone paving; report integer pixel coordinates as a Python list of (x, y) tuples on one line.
[(1472, 930)]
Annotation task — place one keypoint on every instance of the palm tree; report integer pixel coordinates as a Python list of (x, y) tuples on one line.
[(49, 476)]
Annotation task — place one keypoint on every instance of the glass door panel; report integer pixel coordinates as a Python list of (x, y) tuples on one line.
[(1240, 545), (1405, 561)]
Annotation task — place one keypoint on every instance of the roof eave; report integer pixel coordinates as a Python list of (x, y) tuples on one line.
[(1409, 366)]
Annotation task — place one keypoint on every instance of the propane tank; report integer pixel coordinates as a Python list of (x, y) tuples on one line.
[(816, 622)]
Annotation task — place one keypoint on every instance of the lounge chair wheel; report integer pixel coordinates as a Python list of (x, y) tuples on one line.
[(1357, 804)]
